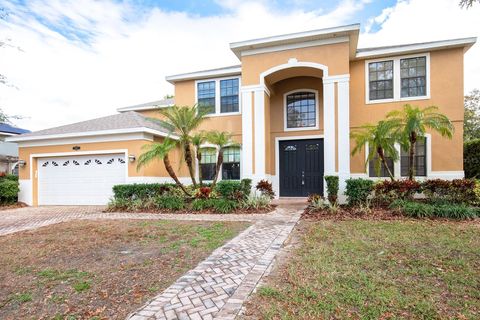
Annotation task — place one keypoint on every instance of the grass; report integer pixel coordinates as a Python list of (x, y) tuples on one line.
[(100, 269), (376, 270)]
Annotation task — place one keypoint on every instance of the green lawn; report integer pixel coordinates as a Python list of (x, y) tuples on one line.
[(376, 270)]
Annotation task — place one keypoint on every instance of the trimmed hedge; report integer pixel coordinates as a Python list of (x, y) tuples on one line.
[(230, 189), (358, 191), (8, 191), (416, 209), (471, 158), (332, 188), (142, 190)]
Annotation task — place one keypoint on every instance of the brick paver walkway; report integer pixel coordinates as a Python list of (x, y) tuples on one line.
[(217, 287)]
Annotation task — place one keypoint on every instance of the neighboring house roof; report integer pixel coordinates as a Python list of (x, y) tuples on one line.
[(149, 105), (126, 122), (11, 130), (204, 74), (466, 43)]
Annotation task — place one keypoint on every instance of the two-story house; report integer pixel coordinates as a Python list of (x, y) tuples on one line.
[(291, 102)]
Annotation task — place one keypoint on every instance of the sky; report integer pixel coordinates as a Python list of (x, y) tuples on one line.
[(73, 60)]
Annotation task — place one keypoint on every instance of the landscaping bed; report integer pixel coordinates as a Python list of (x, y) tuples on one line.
[(357, 269), (100, 269)]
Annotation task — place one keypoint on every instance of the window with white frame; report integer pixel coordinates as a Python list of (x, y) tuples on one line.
[(398, 78), (301, 110), (208, 163), (219, 96), (206, 97), (419, 160), (231, 164), (382, 172)]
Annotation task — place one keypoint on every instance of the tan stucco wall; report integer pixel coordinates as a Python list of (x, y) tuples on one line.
[(335, 56), (446, 92)]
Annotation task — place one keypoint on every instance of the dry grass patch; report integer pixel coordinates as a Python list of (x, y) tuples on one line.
[(358, 269), (99, 269)]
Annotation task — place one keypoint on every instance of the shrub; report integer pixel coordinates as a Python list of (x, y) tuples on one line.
[(229, 189), (332, 188), (8, 191), (358, 191), (203, 193), (256, 202), (6, 176), (202, 204), (169, 202), (425, 210), (456, 191), (224, 205), (471, 158), (265, 188), (143, 190), (313, 197), (387, 190), (318, 204), (246, 186)]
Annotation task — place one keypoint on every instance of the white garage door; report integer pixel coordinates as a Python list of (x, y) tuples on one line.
[(79, 180)]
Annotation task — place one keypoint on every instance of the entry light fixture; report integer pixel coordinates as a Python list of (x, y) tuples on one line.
[(22, 163), (131, 158)]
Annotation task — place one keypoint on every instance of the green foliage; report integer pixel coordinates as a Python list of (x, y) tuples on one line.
[(256, 202), (246, 186), (425, 210), (332, 188), (202, 204), (358, 191), (318, 204), (265, 188), (10, 177), (230, 189), (454, 191), (8, 191), (224, 205), (471, 158), (170, 202), (387, 191), (471, 124), (143, 190)]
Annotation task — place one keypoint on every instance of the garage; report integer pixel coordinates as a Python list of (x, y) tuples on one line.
[(79, 180)]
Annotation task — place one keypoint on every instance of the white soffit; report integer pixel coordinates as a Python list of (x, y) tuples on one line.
[(205, 74)]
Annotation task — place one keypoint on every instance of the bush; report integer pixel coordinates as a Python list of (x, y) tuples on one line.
[(229, 189), (144, 190), (318, 204), (425, 210), (471, 158), (256, 202), (169, 202), (246, 186), (387, 190), (265, 188), (203, 193), (224, 205), (358, 191), (456, 191), (202, 204), (8, 191), (332, 188), (6, 176)]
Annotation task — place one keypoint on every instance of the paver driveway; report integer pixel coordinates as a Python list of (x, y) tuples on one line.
[(217, 287)]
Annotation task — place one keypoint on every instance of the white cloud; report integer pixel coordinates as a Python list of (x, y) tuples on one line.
[(131, 50)]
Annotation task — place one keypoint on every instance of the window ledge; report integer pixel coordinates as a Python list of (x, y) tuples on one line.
[(224, 114), (398, 100)]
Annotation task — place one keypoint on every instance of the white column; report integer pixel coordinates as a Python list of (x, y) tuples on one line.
[(343, 88), (329, 126), (259, 122), (247, 137)]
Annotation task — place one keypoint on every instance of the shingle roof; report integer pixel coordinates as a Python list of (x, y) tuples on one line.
[(148, 105), (127, 120), (7, 128)]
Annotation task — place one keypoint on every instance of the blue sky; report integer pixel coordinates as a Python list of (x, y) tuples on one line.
[(82, 59)]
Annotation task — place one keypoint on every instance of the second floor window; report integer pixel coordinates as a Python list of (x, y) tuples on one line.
[(229, 95), (419, 161), (301, 110), (413, 77), (380, 80), (208, 163), (231, 164), (206, 97)]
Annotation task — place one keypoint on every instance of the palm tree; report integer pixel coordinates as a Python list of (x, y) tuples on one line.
[(221, 140), (182, 121), (381, 140), (158, 150), (197, 140), (413, 123)]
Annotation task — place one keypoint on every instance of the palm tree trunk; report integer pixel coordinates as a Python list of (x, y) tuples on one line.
[(189, 161), (384, 161), (413, 141), (168, 166), (199, 159), (219, 165)]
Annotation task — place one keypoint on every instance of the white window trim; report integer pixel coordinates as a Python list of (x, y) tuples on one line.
[(397, 80), (397, 165), (218, 112), (317, 111), (212, 146)]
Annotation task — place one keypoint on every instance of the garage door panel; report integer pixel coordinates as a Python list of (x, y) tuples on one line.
[(81, 180)]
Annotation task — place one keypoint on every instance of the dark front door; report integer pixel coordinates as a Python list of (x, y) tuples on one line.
[(301, 167)]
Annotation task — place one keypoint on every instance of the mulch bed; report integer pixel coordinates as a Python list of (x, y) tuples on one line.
[(13, 206), (269, 209)]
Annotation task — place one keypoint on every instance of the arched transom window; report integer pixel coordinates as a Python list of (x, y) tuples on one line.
[(301, 110)]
